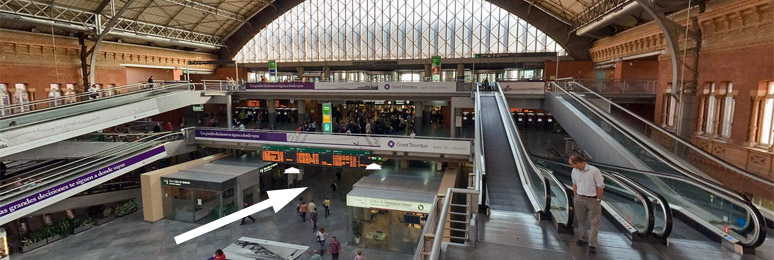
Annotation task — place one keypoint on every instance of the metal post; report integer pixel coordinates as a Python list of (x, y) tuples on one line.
[(229, 114)]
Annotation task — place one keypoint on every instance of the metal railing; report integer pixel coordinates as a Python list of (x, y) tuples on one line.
[(40, 104)]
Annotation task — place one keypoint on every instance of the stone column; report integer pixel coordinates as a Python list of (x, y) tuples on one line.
[(699, 128), (428, 71), (272, 113), (326, 72), (756, 103), (229, 113), (300, 74), (418, 117), (301, 111), (460, 71)]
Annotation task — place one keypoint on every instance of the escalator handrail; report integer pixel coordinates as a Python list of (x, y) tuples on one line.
[(679, 139), (514, 137), (53, 179), (565, 191), (664, 204), (84, 163), (479, 155), (643, 197)]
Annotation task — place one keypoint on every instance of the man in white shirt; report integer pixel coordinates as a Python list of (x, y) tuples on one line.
[(587, 186)]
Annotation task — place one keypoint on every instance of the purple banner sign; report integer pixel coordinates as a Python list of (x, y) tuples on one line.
[(240, 135), (80, 181), (280, 85)]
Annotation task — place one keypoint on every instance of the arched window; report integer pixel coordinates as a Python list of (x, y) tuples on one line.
[(334, 30)]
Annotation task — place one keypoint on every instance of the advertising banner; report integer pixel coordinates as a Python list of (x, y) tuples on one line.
[(436, 68), (346, 86), (279, 86), (242, 136), (523, 87), (272, 70), (327, 128), (418, 87), (70, 186), (382, 143), (378, 203)]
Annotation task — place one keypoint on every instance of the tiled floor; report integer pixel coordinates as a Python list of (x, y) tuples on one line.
[(131, 238), (509, 235)]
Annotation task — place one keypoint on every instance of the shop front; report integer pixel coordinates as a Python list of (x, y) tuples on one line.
[(193, 196), (388, 213)]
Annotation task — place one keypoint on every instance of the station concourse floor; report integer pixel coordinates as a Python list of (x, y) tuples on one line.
[(130, 237)]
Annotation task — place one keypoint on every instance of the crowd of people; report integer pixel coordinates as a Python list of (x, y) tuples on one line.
[(368, 120)]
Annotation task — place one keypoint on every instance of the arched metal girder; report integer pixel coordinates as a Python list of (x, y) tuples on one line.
[(684, 93), (576, 46)]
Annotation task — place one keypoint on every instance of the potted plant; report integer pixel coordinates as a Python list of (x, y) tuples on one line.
[(32, 242), (105, 216), (82, 224), (357, 230)]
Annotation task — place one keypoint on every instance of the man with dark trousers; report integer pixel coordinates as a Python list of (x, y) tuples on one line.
[(587, 186)]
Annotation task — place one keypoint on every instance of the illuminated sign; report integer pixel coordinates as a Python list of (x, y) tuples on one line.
[(327, 127), (316, 156)]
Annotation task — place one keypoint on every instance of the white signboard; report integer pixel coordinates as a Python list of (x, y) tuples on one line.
[(377, 203), (396, 144), (418, 87), (523, 87), (346, 86)]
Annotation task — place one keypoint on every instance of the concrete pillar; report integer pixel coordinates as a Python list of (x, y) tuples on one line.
[(301, 111), (326, 72), (300, 74), (418, 117), (460, 72), (428, 71), (229, 113), (272, 113), (404, 163), (455, 112)]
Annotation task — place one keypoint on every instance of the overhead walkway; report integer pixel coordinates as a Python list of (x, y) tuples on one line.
[(36, 190), (387, 145), (704, 204), (27, 126)]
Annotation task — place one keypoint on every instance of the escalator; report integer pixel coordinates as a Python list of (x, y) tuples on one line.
[(515, 183), (32, 192), (41, 122), (696, 199)]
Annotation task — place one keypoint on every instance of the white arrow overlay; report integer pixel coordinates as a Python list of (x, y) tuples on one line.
[(277, 200)]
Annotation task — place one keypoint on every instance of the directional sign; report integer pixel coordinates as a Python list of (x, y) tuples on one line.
[(326, 107), (277, 200)]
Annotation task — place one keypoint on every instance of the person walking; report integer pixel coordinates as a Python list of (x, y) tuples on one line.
[(334, 186), (359, 255), (316, 255), (248, 216), (303, 209), (312, 206), (327, 206), (313, 218), (335, 248), (321, 237), (587, 186)]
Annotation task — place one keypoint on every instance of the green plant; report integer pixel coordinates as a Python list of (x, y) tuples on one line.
[(31, 240), (126, 207), (357, 227)]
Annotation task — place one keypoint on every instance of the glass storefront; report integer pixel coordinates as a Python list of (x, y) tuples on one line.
[(389, 230), (194, 205)]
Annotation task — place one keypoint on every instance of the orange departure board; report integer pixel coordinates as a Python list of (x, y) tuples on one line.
[(316, 158)]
